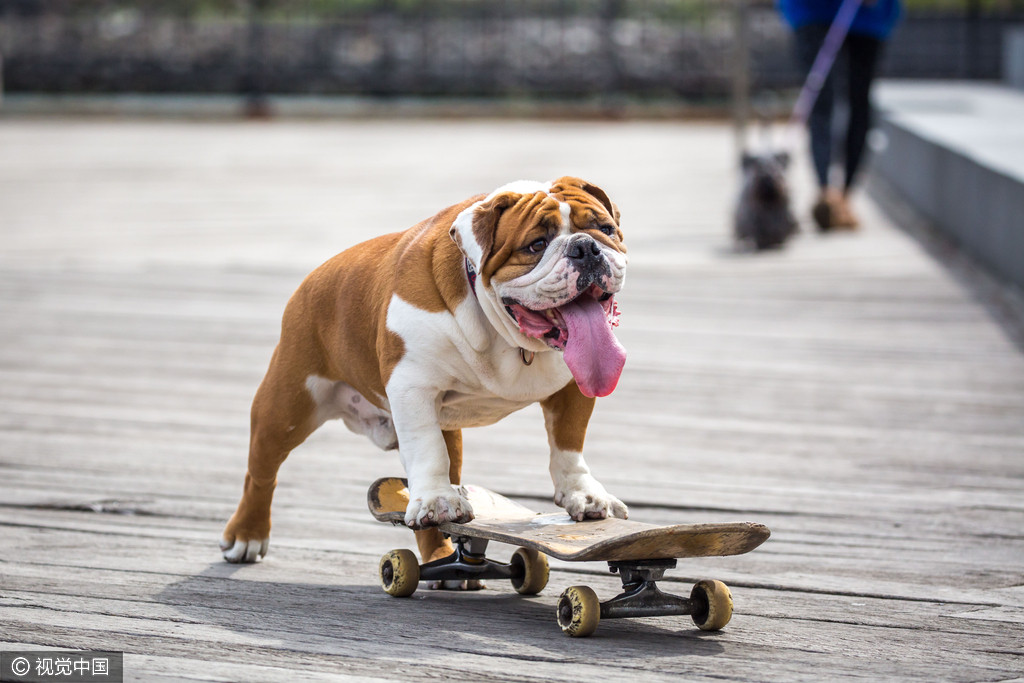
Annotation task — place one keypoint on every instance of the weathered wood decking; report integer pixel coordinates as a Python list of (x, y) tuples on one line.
[(847, 392)]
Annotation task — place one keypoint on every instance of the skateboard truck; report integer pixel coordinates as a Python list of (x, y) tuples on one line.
[(579, 611), (468, 562), (527, 569), (640, 596)]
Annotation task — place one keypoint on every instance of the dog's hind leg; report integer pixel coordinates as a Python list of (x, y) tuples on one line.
[(283, 414)]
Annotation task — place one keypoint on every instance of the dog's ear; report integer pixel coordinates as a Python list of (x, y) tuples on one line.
[(601, 196), (594, 191), (782, 159), (747, 160), (474, 229)]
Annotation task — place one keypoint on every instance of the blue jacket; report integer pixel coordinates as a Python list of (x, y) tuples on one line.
[(874, 18)]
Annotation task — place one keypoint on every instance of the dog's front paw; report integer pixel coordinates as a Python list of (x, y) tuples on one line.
[(584, 497), (438, 506)]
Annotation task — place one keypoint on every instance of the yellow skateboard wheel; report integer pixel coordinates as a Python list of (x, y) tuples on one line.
[(535, 571), (579, 611), (399, 573), (714, 603)]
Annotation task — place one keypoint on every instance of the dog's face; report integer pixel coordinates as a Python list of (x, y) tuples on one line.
[(765, 175), (550, 259)]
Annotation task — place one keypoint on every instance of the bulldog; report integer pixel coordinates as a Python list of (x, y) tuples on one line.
[(493, 304)]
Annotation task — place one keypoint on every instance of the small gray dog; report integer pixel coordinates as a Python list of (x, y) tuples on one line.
[(763, 217)]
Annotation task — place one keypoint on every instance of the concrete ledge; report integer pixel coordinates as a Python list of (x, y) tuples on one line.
[(207, 106), (956, 153), (1013, 57)]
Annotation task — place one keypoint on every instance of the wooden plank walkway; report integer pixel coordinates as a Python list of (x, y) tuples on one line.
[(847, 392)]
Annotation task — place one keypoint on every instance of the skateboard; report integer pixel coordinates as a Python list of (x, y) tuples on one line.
[(639, 553)]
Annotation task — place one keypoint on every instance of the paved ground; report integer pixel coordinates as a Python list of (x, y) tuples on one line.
[(847, 392)]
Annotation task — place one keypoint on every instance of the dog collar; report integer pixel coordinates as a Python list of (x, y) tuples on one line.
[(527, 356), (471, 276)]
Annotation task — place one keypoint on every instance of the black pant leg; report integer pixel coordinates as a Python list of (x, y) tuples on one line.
[(808, 42), (862, 54)]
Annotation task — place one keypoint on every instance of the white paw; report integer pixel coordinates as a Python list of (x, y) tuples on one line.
[(583, 497), (241, 551), (435, 507)]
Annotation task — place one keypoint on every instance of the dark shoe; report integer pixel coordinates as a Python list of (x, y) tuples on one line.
[(823, 210)]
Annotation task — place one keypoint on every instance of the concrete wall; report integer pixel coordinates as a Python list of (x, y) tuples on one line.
[(1013, 57), (951, 164)]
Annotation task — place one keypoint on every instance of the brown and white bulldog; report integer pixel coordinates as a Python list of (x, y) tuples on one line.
[(491, 305)]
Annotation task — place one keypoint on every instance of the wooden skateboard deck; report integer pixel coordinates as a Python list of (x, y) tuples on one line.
[(500, 519)]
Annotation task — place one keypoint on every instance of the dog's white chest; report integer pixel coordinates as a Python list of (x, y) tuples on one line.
[(492, 387), (460, 410)]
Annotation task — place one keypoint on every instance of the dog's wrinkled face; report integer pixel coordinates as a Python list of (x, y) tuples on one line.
[(551, 258)]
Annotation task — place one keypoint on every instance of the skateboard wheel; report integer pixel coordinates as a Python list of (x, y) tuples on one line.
[(399, 573), (713, 603), (534, 575), (579, 611)]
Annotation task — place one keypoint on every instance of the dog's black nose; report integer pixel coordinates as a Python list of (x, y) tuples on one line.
[(584, 251)]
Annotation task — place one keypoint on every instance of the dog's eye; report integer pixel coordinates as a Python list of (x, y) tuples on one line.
[(538, 245), (607, 229)]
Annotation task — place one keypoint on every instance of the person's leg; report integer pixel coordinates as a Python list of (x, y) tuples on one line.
[(808, 43), (863, 52)]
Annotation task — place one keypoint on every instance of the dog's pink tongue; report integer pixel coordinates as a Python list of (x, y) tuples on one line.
[(594, 356)]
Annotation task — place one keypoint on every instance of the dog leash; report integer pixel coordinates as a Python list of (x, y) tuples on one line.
[(823, 63)]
